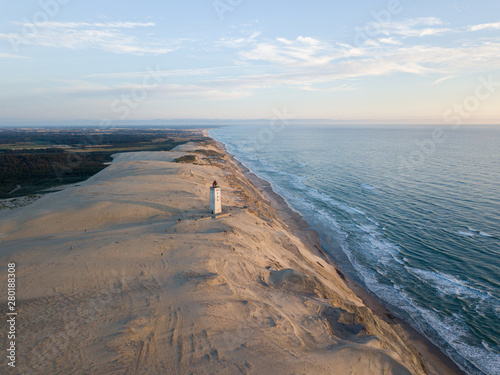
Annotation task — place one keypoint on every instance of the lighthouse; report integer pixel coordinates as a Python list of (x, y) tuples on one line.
[(215, 199)]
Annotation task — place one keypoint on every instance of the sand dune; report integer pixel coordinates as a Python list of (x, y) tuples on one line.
[(127, 274)]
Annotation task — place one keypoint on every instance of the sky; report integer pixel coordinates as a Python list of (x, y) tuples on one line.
[(392, 61)]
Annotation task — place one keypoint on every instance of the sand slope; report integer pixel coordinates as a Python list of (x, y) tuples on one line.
[(127, 274)]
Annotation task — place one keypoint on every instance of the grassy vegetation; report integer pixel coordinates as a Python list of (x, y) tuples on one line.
[(24, 174), (187, 159), (210, 153), (207, 142)]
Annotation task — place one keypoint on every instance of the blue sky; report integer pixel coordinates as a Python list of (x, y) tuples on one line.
[(396, 61)]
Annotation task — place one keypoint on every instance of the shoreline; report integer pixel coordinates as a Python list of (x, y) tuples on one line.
[(437, 361), (133, 273)]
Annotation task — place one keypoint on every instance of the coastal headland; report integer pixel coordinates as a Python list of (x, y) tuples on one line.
[(128, 273)]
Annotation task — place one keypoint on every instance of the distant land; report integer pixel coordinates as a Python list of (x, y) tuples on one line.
[(33, 160)]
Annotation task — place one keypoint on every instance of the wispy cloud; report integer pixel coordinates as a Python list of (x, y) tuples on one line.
[(344, 87), (304, 63), (308, 63), (233, 42), (428, 26), (305, 51), (312, 64), (485, 26), (390, 41), (74, 25), (171, 73), (109, 37), (442, 79), (11, 56), (160, 73), (86, 89), (178, 92), (416, 27)]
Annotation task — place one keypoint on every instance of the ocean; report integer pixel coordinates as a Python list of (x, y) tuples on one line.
[(410, 213)]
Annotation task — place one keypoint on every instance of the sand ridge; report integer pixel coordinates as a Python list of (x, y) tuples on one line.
[(127, 273)]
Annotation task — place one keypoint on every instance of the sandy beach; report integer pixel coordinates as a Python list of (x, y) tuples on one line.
[(128, 273)]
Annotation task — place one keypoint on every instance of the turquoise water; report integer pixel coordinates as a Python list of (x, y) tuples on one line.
[(410, 213)]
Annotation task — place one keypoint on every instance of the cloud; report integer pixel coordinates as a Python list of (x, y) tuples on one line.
[(74, 25), (11, 56), (171, 73), (310, 63), (109, 37), (442, 79), (485, 26), (159, 73), (232, 42), (181, 92), (305, 51), (415, 27), (344, 87), (427, 26), (313, 64), (90, 90), (303, 63), (389, 41)]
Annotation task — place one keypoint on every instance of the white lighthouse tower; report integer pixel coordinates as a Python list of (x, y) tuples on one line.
[(215, 199)]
